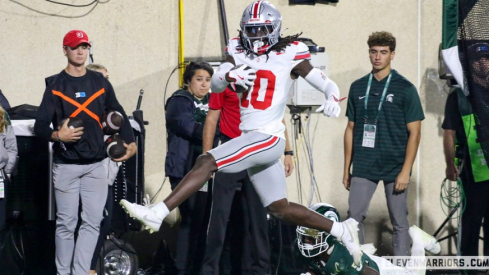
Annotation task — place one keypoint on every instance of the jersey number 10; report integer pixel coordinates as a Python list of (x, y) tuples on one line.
[(261, 97)]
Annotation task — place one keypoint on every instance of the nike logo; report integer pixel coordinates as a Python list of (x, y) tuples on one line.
[(146, 218), (338, 100), (361, 97), (240, 77)]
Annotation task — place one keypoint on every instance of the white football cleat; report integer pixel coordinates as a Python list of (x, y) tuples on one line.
[(350, 240), (143, 214), (429, 242)]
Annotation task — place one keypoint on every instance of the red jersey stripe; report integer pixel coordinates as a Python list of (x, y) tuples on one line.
[(247, 152), (302, 56)]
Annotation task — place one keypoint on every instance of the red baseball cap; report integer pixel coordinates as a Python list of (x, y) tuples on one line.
[(74, 38)]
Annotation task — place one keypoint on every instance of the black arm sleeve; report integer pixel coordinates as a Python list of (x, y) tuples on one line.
[(44, 116), (453, 120)]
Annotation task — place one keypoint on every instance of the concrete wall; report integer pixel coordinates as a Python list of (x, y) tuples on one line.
[(138, 42)]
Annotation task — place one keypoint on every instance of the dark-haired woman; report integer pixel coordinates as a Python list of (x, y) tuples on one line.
[(186, 110)]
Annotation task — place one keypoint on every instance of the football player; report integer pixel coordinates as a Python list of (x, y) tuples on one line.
[(324, 254), (264, 65)]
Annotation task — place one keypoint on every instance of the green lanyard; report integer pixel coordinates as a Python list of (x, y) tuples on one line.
[(381, 98)]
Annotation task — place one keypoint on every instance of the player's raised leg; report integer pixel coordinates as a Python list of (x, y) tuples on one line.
[(247, 150), (269, 183), (152, 216)]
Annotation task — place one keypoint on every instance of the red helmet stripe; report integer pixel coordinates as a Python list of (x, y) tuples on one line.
[(256, 8)]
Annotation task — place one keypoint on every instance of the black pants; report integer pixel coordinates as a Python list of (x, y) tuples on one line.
[(477, 208), (104, 228), (250, 253), (192, 231), (3, 209), (3, 214)]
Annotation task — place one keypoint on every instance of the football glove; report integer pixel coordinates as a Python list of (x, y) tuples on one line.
[(368, 248), (331, 107), (242, 75)]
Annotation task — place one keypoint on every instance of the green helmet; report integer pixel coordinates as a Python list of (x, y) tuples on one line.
[(312, 242)]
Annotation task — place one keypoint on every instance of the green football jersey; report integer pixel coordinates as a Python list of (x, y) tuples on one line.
[(340, 262)]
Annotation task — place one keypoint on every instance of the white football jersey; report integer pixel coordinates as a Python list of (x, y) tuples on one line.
[(263, 106)]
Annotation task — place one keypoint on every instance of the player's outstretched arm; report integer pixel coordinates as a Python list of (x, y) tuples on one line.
[(219, 79), (240, 77), (320, 82)]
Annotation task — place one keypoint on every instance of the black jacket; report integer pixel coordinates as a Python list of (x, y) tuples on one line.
[(65, 96), (183, 132)]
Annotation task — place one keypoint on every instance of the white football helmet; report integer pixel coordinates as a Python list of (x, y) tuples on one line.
[(312, 242), (260, 26)]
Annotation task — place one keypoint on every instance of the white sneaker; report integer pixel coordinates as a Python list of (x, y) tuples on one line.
[(350, 240), (143, 214), (429, 242)]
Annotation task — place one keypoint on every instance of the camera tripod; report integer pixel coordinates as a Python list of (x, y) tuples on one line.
[(448, 218), (446, 221)]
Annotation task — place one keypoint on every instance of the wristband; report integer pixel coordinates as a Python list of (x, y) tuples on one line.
[(288, 153)]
